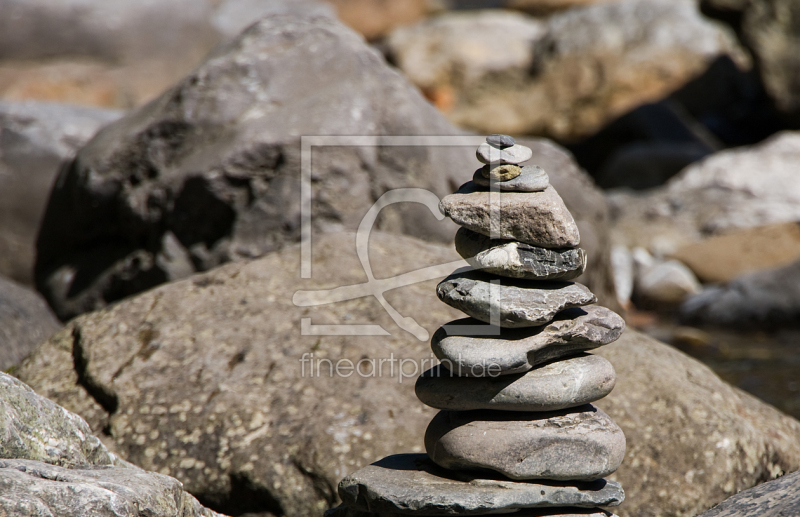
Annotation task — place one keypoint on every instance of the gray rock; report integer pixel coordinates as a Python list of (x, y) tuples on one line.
[(215, 161), (559, 385), (345, 511), (519, 350), (763, 298), (412, 483), (25, 321), (505, 172), (35, 488), (532, 178), (778, 498), (666, 283), (500, 141), (513, 155), (538, 218), (513, 303), (519, 260), (38, 139), (581, 443)]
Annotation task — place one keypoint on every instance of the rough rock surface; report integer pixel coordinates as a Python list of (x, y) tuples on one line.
[(559, 385), (565, 77), (412, 482), (519, 260), (25, 321), (234, 333), (581, 443), (778, 498), (537, 218), (513, 303), (34, 488), (210, 171), (768, 297), (37, 140), (572, 331), (719, 194)]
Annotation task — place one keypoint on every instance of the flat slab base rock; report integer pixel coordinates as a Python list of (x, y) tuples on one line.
[(581, 443), (470, 348), (412, 484), (537, 218), (345, 511), (517, 259), (513, 303), (559, 385)]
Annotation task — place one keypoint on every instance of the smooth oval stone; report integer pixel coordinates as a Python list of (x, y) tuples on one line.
[(537, 218), (519, 260), (503, 172), (575, 444), (413, 484), (500, 141), (514, 303), (558, 385), (468, 347), (514, 155), (532, 178)]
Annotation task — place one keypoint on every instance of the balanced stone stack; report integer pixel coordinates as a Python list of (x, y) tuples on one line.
[(517, 432)]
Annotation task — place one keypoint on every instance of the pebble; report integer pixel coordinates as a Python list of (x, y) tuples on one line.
[(515, 303), (576, 444), (500, 141), (559, 385), (536, 218), (532, 178), (468, 347), (406, 483), (514, 155), (517, 259), (503, 172)]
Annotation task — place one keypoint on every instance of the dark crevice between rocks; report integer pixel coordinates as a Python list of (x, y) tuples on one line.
[(322, 485), (107, 399), (243, 498)]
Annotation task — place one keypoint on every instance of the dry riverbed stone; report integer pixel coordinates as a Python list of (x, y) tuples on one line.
[(519, 260), (469, 347), (558, 385), (513, 304), (537, 218), (532, 178), (412, 483), (581, 443)]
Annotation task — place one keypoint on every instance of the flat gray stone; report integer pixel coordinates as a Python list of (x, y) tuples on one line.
[(537, 218), (515, 154), (519, 260), (532, 178), (344, 511), (559, 385), (576, 444), (500, 141), (515, 303), (470, 354), (412, 483)]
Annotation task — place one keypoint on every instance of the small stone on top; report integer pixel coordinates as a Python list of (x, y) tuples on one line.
[(500, 141)]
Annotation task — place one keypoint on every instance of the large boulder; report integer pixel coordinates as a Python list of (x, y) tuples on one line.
[(733, 189), (36, 140), (25, 321), (210, 171), (778, 498), (210, 380), (51, 464), (566, 77)]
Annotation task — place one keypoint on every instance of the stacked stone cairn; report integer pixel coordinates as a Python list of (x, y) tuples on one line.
[(517, 432)]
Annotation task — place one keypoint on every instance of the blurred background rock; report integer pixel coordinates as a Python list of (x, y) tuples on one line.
[(152, 142)]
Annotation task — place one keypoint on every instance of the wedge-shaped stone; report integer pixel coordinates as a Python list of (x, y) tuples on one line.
[(472, 349), (581, 443), (519, 260), (532, 178), (537, 218), (559, 385), (412, 483), (514, 303)]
